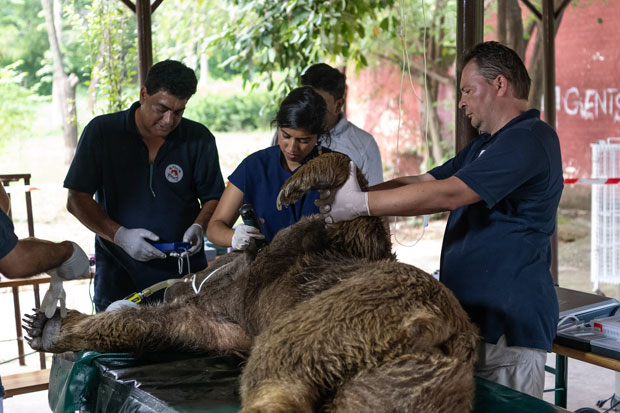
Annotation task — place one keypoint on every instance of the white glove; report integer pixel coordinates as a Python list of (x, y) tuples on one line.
[(77, 266), (194, 235), (243, 234), (133, 242), (344, 204), (118, 304), (53, 295)]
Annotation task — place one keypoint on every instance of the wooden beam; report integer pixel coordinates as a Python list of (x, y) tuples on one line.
[(22, 383), (155, 5), (548, 36), (532, 8), (469, 25), (130, 5), (145, 45), (560, 9), (538, 14)]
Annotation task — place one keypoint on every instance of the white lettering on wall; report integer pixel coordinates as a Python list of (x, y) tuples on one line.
[(589, 103)]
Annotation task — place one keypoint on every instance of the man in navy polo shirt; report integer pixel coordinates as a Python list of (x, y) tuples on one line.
[(503, 190), (156, 178)]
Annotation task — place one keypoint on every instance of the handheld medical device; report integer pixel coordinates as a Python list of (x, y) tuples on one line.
[(249, 217)]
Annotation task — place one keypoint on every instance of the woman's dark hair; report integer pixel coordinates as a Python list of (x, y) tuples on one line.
[(304, 108)]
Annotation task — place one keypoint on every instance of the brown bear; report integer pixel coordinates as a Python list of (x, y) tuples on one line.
[(331, 321)]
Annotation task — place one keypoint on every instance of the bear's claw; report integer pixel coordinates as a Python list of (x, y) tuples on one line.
[(42, 332), (327, 171)]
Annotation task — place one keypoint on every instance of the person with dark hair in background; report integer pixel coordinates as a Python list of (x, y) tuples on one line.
[(257, 180), (503, 191), (21, 258), (346, 138), (156, 178)]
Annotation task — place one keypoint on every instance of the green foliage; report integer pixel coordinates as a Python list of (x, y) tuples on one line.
[(15, 104), (274, 42), (447, 152), (107, 31), (289, 35), (180, 28), (23, 38), (231, 113)]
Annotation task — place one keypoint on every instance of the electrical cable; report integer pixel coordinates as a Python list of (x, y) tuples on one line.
[(197, 290), (568, 317), (407, 66), (18, 357), (612, 405)]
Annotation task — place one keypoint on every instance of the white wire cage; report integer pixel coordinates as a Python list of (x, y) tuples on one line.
[(605, 220)]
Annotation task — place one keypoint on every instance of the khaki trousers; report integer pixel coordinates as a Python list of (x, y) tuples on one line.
[(520, 368)]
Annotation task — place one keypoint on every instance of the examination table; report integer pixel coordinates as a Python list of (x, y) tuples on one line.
[(120, 382)]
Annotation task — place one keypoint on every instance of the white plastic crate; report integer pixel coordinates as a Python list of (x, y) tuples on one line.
[(605, 229), (610, 326)]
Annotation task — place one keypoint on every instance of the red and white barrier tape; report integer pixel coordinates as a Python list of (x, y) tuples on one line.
[(568, 181), (12, 189), (592, 181)]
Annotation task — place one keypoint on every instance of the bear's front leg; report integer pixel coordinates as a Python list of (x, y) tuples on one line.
[(180, 325), (328, 171), (51, 335)]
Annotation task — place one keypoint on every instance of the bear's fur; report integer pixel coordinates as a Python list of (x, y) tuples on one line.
[(332, 322)]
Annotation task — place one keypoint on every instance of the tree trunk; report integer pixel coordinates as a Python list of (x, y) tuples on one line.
[(204, 72), (510, 25), (57, 18), (92, 87), (64, 84), (536, 63), (432, 123)]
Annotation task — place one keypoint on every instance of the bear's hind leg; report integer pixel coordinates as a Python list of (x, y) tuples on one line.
[(411, 383), (274, 396)]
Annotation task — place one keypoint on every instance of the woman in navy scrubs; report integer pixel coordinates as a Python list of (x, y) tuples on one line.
[(301, 122)]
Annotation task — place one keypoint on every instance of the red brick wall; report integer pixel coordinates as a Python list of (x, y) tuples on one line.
[(373, 105), (587, 93), (587, 81)]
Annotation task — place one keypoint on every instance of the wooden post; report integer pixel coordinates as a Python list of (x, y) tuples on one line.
[(470, 19), (143, 10), (145, 44), (548, 35)]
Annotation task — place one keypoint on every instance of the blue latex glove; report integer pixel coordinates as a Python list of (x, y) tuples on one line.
[(134, 243), (194, 235)]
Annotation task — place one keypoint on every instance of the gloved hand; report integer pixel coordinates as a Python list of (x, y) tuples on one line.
[(77, 266), (243, 234), (133, 242), (344, 204), (194, 235), (54, 295)]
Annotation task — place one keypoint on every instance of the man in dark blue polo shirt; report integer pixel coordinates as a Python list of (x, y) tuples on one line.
[(156, 178), (503, 190)]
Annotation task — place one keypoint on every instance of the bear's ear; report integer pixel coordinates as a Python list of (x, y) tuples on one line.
[(327, 171)]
